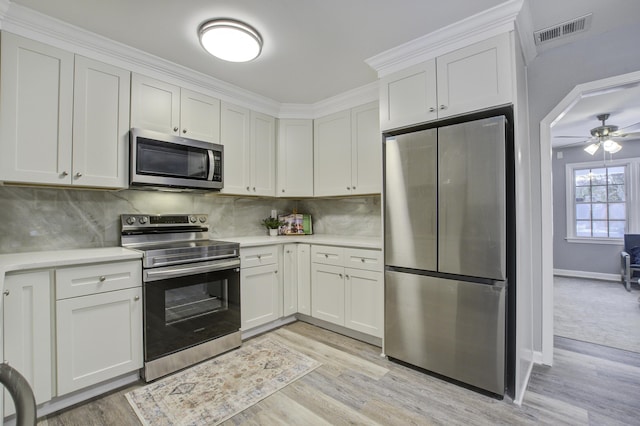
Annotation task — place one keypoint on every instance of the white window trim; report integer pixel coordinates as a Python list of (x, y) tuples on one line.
[(632, 205)]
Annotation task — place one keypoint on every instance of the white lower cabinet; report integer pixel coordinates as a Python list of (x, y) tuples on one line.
[(27, 334), (304, 278), (99, 337), (260, 286), (98, 323), (296, 277), (347, 288)]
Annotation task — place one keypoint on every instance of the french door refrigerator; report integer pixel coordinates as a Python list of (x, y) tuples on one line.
[(446, 240)]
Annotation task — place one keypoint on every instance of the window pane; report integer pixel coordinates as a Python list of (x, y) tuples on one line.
[(616, 175), (583, 194), (599, 194), (583, 228), (616, 193), (582, 177), (600, 228), (617, 211), (583, 211), (616, 229), (599, 211), (598, 176)]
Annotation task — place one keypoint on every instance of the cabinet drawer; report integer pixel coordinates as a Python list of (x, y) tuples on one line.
[(327, 255), (99, 278), (370, 260), (258, 256)]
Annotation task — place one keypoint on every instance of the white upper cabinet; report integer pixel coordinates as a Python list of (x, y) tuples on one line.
[(295, 158), (36, 106), (348, 152), (100, 124), (58, 126), (468, 79), (249, 151), (163, 107)]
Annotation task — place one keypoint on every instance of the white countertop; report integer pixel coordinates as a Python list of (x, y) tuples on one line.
[(48, 259), (332, 240)]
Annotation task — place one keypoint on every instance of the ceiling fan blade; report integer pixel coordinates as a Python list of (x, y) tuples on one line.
[(631, 128), (572, 144), (568, 137)]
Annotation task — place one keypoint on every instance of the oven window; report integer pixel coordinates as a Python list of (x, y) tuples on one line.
[(167, 159), (194, 301)]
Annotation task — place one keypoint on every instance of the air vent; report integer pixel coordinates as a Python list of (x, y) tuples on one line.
[(564, 29)]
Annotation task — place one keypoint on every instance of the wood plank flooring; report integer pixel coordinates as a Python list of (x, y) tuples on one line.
[(588, 385)]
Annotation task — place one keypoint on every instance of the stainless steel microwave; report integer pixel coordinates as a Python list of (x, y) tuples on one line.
[(160, 160)]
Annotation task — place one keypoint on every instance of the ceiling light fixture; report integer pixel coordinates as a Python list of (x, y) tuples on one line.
[(230, 40), (604, 134)]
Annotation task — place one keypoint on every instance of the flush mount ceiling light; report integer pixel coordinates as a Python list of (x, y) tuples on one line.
[(230, 40)]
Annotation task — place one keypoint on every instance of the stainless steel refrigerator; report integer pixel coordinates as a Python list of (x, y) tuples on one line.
[(446, 242)]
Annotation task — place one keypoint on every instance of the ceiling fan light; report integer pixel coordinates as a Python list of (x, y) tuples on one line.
[(591, 149), (611, 146), (230, 40)]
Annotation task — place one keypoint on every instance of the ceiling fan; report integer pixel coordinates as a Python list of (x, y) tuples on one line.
[(605, 135)]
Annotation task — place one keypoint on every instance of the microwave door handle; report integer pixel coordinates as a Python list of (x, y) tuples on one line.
[(211, 164)]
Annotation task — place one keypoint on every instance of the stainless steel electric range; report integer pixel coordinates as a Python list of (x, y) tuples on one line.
[(191, 290)]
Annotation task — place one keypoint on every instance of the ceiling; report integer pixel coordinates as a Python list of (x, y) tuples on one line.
[(313, 50)]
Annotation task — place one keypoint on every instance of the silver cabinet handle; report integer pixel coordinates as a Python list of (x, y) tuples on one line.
[(78, 175), (6, 292), (64, 174), (432, 109), (102, 278), (136, 298), (175, 129), (443, 107)]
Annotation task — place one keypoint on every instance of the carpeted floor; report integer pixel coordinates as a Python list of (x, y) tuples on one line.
[(595, 311)]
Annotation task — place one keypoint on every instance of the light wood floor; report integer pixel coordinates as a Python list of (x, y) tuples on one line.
[(589, 384)]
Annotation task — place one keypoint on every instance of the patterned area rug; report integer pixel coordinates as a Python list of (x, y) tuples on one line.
[(215, 390)]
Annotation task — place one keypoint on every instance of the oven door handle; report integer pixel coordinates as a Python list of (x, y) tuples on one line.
[(178, 271)]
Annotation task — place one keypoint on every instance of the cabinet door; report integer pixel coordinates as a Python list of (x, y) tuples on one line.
[(295, 158), (199, 116), (366, 150), (98, 337), (100, 124), (263, 154), (332, 155), (304, 278), (260, 296), (155, 105), (290, 279), (364, 296), (36, 103), (409, 96), (327, 293), (235, 130), (27, 332), (475, 77)]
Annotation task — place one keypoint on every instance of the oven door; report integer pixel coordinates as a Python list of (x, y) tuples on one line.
[(185, 305)]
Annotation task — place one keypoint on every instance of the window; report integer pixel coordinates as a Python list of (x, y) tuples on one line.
[(600, 202)]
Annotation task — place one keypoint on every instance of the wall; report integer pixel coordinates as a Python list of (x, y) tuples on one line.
[(550, 77), (599, 258), (34, 219)]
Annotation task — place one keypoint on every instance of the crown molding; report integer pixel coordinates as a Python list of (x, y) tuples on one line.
[(524, 25), (349, 99), (496, 20)]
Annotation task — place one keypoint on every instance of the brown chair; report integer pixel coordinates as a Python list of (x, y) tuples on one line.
[(630, 258)]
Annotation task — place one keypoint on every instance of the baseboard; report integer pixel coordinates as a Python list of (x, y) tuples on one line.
[(267, 327), (586, 274), (372, 340), (525, 384), (538, 358)]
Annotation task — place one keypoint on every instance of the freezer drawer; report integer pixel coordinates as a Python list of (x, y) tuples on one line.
[(453, 328)]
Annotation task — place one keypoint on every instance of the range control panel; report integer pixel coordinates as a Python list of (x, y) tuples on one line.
[(138, 221)]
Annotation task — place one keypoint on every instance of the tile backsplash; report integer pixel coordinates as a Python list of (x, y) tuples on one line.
[(33, 219)]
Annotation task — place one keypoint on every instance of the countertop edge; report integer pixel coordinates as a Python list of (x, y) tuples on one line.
[(373, 243)]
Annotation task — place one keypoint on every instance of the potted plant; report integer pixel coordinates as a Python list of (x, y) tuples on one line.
[(272, 224)]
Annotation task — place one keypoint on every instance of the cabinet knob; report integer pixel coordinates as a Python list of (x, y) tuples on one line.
[(254, 189), (283, 190), (6, 292), (348, 188), (64, 174), (362, 259), (353, 187), (175, 129), (443, 107), (340, 275), (275, 272), (432, 109), (346, 276), (248, 189), (136, 298), (78, 175), (102, 278), (259, 256), (184, 130), (326, 256)]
